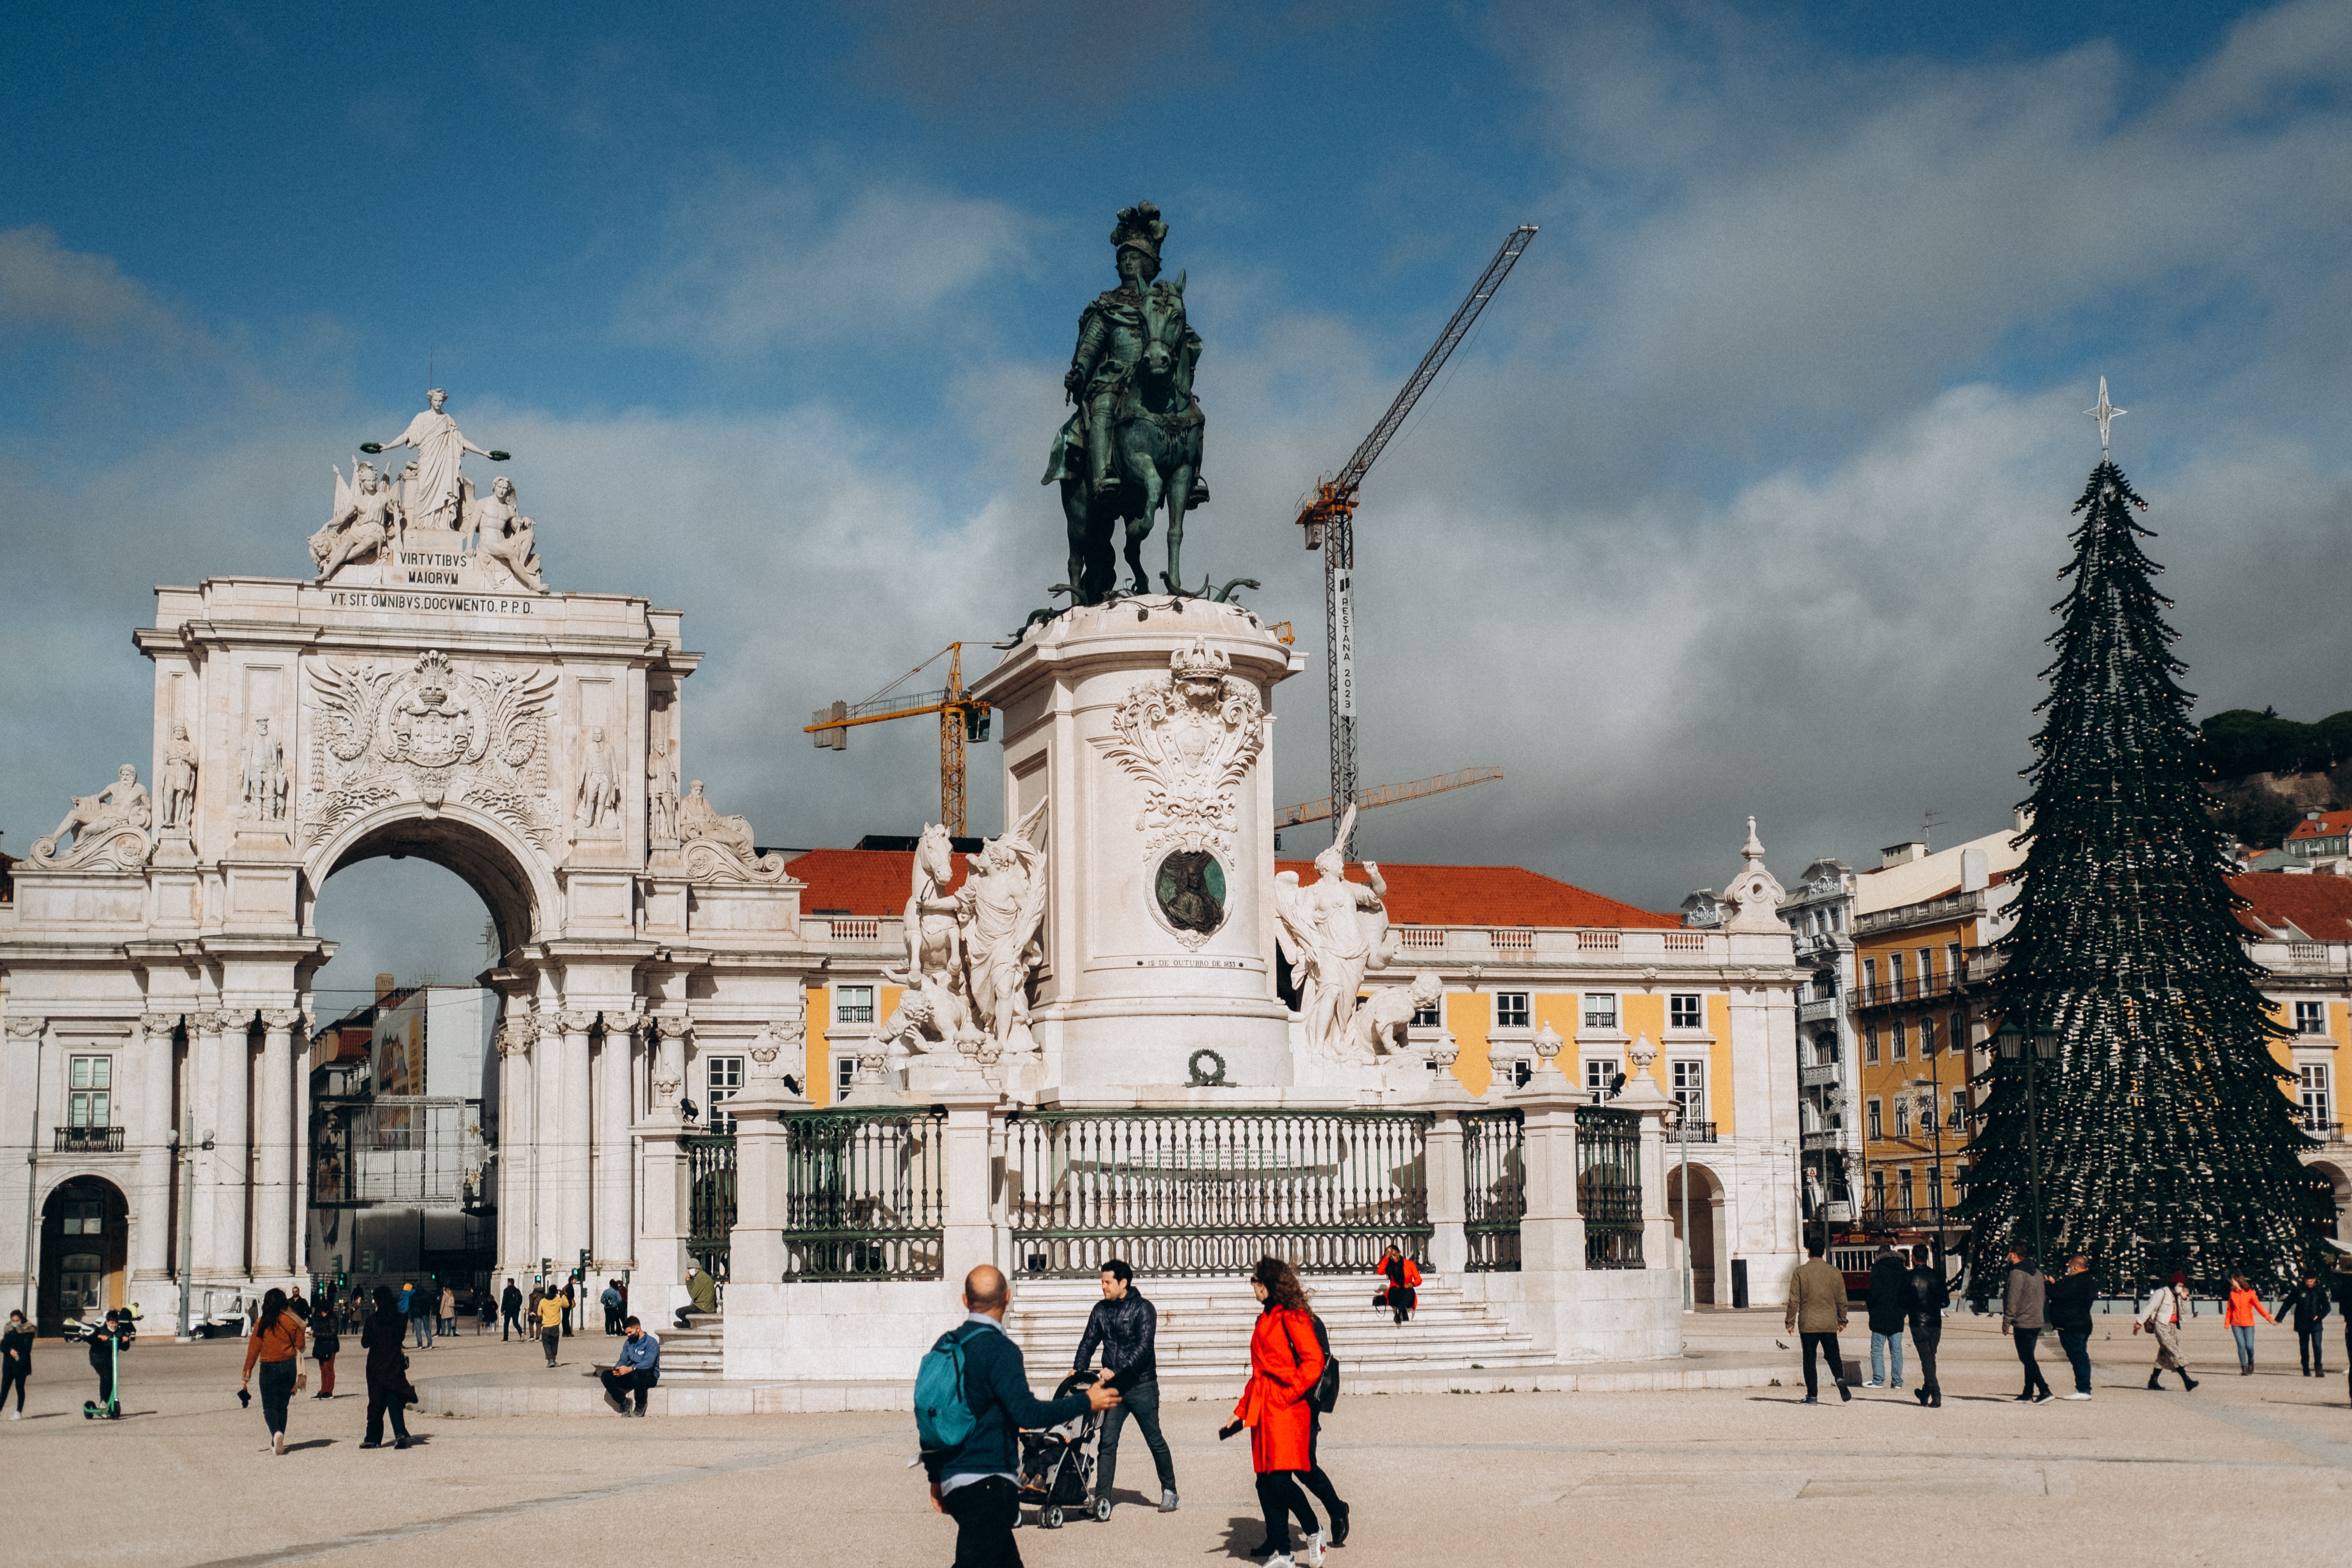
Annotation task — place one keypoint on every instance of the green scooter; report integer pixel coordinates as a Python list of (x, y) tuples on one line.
[(111, 1409)]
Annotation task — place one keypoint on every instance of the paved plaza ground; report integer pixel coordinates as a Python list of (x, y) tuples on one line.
[(2254, 1470)]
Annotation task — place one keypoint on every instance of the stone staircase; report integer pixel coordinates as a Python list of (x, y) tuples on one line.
[(698, 1354), (1204, 1330)]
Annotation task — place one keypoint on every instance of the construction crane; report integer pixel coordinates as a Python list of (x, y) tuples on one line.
[(1387, 795), (962, 718), (1328, 516)]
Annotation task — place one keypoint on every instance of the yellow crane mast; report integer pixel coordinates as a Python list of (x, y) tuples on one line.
[(962, 718)]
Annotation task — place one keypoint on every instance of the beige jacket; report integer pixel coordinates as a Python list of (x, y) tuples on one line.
[(1816, 1299)]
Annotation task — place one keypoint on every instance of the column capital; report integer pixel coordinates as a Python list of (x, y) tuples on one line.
[(281, 1020), (546, 1024), (26, 1027), (575, 1021), (673, 1025), (158, 1024), (514, 1035), (629, 1022)]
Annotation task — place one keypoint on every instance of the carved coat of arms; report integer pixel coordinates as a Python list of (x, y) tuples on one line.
[(1191, 737), (433, 734)]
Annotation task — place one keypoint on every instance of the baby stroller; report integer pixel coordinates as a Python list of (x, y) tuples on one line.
[(1057, 1465)]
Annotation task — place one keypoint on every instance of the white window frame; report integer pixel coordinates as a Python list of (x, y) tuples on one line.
[(1697, 1000), (1687, 1076), (1903, 1118), (844, 1010), (1899, 1040), (1525, 1009), (1428, 1018), (1870, 1045), (2311, 1018), (1873, 1121), (1598, 1071), (844, 1069), (1585, 1010), (2316, 1091), (89, 1091), (716, 1093)]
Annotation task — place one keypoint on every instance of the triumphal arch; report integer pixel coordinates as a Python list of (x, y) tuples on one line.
[(425, 691)]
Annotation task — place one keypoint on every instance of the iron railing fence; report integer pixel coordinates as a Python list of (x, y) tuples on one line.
[(865, 1193), (1495, 1189), (1609, 1185), (1210, 1192), (89, 1141), (709, 1198)]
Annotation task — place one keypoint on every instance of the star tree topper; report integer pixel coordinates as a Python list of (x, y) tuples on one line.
[(2104, 413)]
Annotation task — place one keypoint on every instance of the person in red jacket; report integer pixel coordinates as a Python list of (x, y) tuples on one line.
[(2239, 1315), (1286, 1359), (1403, 1279)]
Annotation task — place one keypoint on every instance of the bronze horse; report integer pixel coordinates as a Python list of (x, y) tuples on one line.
[(1157, 454)]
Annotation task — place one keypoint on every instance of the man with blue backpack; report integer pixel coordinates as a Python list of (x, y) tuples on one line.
[(971, 1404)]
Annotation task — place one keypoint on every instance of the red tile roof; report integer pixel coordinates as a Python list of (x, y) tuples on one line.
[(858, 881), (1491, 896), (2327, 826), (2319, 906), (876, 881)]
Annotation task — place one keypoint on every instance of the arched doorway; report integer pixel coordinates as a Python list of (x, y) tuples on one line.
[(403, 1127), (84, 1227), (1706, 1229)]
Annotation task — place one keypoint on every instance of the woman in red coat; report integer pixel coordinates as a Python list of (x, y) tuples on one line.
[(1285, 1362)]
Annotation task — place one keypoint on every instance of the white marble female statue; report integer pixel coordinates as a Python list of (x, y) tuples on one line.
[(440, 449), (1332, 933)]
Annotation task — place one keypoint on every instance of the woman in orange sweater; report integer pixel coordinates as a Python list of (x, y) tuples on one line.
[(277, 1346), (1285, 1359), (2239, 1315)]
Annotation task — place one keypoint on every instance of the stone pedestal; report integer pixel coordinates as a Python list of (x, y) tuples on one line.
[(1145, 724)]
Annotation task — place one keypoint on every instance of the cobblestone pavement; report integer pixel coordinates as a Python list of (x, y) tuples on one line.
[(2257, 1468)]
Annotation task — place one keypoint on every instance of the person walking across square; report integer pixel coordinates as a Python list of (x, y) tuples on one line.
[(1817, 1312), (16, 1361), (977, 1483), (550, 1324), (1125, 1325), (1888, 1302), (2162, 1322), (276, 1344), (2239, 1312), (2021, 1319), (387, 1370), (2309, 1304), (1930, 1297), (2068, 1303), (1277, 1405), (511, 1308)]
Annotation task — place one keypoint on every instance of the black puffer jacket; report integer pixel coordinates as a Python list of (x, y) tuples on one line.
[(1125, 1330), (1930, 1296), (387, 1365), (1890, 1295)]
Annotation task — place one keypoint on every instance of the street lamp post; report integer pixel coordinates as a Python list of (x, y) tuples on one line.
[(2011, 1043), (187, 1151)]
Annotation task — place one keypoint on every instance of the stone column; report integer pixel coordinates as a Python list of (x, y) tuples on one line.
[(969, 1236), (1444, 1176), (233, 1158), (663, 1224), (1551, 1232), (20, 1079), (514, 1166), (615, 1228), (575, 1134), (755, 1246), (547, 1138), (669, 1062), (1642, 1094), (273, 1226), (309, 1025), (203, 1107), (152, 1236)]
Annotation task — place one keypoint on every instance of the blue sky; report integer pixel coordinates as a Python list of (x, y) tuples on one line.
[(1746, 498)]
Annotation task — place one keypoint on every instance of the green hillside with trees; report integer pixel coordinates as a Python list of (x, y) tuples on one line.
[(2242, 742)]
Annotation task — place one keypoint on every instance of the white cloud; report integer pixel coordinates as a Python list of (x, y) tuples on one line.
[(43, 286), (751, 263)]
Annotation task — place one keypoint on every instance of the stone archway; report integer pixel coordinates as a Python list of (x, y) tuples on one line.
[(2340, 1179), (1709, 1233), (84, 1250), (513, 878)]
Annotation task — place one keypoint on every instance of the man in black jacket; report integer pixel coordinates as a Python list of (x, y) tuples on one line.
[(2067, 1304), (978, 1482), (511, 1308), (1123, 1323), (1889, 1304), (2309, 1301), (1930, 1296)]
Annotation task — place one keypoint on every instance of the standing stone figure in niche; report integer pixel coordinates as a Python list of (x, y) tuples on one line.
[(264, 774), (178, 782), (1332, 933), (440, 447), (599, 795), (1135, 440), (365, 519), (661, 791)]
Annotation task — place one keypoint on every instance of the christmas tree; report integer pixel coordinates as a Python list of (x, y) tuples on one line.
[(2141, 1119)]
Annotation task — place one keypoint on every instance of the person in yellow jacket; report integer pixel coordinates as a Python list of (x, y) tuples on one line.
[(1817, 1310), (550, 1323)]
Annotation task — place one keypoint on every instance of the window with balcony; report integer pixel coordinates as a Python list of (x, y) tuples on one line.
[(89, 1093), (1894, 975), (1510, 1009), (1958, 1037), (1870, 1117), (1428, 1018), (1690, 1089), (1878, 1191), (1956, 961), (1927, 970), (1926, 1038), (1870, 1044), (1601, 1012), (2310, 1019), (1958, 1120), (1869, 975), (2318, 1104), (1903, 1192), (1902, 1041), (723, 1077), (1684, 1012), (853, 1004), (1936, 1188)]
